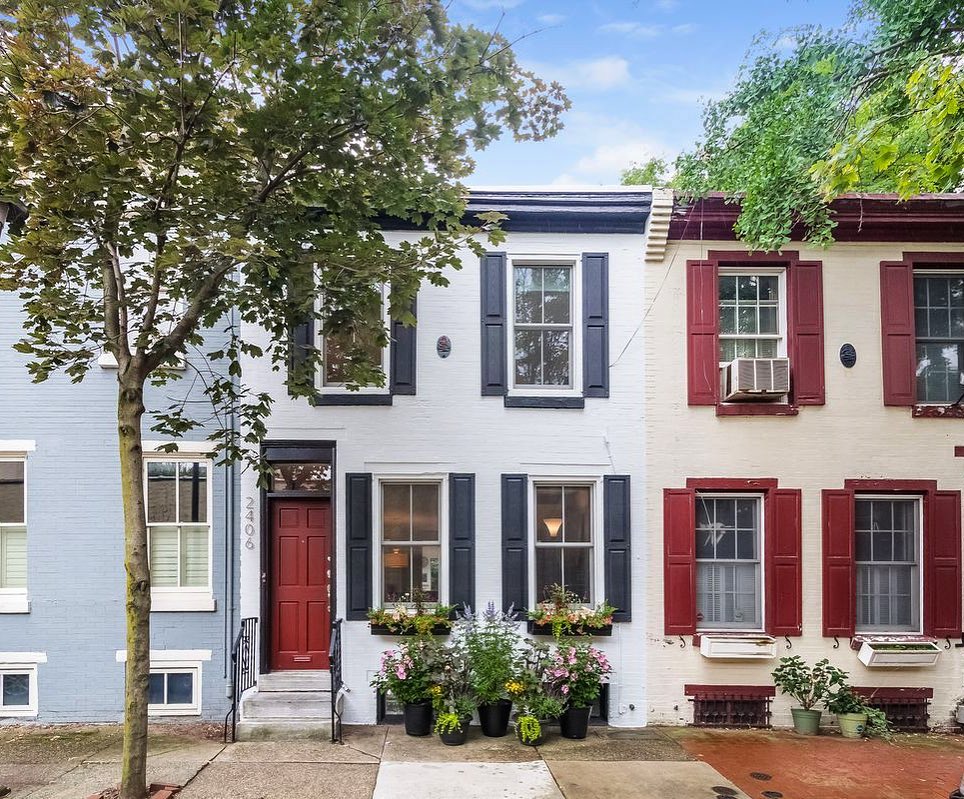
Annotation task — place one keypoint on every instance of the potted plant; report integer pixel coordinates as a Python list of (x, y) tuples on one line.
[(536, 699), (452, 695), (810, 686), (411, 615), (405, 673), (563, 613), (491, 641), (578, 672), (851, 712), (452, 722)]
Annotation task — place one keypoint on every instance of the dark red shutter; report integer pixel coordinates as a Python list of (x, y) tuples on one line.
[(806, 332), (702, 324), (897, 332), (784, 533), (679, 561), (942, 566), (839, 577)]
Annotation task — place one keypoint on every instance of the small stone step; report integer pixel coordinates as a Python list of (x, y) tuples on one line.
[(294, 681), (287, 705), (284, 730)]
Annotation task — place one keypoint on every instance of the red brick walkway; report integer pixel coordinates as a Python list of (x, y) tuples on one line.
[(831, 767)]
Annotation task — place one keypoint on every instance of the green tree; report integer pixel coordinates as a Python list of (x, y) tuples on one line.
[(182, 158), (652, 172), (874, 106)]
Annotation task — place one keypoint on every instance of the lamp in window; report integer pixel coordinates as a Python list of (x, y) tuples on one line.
[(396, 559), (553, 525)]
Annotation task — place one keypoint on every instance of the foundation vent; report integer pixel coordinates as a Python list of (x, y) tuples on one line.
[(731, 705)]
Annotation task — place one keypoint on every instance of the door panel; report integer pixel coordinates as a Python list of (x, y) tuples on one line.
[(300, 576)]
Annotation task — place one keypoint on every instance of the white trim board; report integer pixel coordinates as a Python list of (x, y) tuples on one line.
[(16, 658)]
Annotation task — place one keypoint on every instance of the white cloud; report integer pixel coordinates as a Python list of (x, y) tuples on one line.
[(551, 19), (667, 5), (640, 31), (601, 74), (680, 96), (686, 27), (481, 5)]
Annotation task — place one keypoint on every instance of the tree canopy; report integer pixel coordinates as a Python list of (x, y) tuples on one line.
[(651, 172), (873, 106)]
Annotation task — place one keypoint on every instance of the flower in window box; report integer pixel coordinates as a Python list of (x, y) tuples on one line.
[(566, 614), (417, 618)]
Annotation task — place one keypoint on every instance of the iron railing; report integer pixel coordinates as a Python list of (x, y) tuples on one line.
[(337, 683), (244, 672)]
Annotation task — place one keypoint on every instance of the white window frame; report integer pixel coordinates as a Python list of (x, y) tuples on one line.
[(16, 599), (576, 321), (597, 568), (319, 343), (919, 630), (440, 480), (176, 660), (929, 273), (169, 599), (761, 271), (22, 663), (761, 557)]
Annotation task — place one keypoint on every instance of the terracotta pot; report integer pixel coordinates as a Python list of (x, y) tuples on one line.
[(418, 718), (494, 718)]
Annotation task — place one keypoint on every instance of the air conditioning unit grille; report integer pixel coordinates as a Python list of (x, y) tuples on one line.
[(756, 379)]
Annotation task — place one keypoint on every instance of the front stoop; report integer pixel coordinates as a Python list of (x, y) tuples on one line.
[(287, 705)]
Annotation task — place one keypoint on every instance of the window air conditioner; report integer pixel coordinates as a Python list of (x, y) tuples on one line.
[(756, 379)]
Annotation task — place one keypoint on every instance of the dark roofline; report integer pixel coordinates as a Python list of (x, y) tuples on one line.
[(541, 211), (866, 217)]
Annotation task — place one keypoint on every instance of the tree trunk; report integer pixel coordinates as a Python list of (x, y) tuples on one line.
[(130, 409)]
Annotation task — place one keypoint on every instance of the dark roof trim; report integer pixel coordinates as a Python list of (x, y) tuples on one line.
[(556, 212), (872, 217)]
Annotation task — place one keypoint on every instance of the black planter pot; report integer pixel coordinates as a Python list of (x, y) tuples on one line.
[(537, 742), (494, 718), (456, 737), (574, 722), (418, 718)]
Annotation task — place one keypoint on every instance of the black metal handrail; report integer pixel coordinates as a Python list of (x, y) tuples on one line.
[(337, 683), (244, 658)]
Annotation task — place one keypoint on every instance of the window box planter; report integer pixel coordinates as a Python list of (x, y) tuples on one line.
[(898, 654), (738, 647), (384, 629), (577, 631)]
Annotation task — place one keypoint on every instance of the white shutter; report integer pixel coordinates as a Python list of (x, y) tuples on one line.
[(163, 556), (13, 557), (194, 556)]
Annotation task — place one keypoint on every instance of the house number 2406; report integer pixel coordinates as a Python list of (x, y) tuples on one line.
[(249, 523)]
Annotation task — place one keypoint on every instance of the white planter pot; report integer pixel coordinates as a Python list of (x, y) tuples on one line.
[(898, 654)]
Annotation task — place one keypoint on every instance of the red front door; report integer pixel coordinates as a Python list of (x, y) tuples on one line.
[(300, 575)]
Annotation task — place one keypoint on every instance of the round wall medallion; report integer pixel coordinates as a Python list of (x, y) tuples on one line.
[(443, 346), (848, 355)]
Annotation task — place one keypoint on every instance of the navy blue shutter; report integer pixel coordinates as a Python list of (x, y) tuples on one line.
[(494, 345), (358, 523), (302, 340), (617, 541), (402, 379), (462, 540), (595, 321), (515, 544)]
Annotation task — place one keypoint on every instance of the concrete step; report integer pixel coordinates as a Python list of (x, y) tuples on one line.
[(284, 730), (309, 705), (294, 681)]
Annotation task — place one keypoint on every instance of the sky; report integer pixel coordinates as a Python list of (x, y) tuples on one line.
[(637, 72)]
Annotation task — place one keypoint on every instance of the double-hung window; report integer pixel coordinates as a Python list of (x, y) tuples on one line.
[(939, 326), (338, 348), (178, 495), (888, 545), (752, 316), (13, 526), (411, 543), (728, 562), (543, 347), (564, 539)]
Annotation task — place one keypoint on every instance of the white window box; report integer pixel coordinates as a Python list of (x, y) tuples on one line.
[(898, 653), (749, 646), (176, 600), (14, 601)]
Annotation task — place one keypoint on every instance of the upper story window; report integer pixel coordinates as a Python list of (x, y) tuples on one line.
[(13, 524), (543, 311), (411, 545), (564, 539), (728, 573), (939, 326), (888, 563), (178, 497), (751, 316), (335, 353)]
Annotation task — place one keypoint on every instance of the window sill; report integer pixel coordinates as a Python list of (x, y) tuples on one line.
[(575, 403), (348, 398), (755, 409), (937, 412), (182, 601), (161, 711), (14, 603)]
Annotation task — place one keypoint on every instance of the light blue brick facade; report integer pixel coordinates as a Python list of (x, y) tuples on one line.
[(75, 544)]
